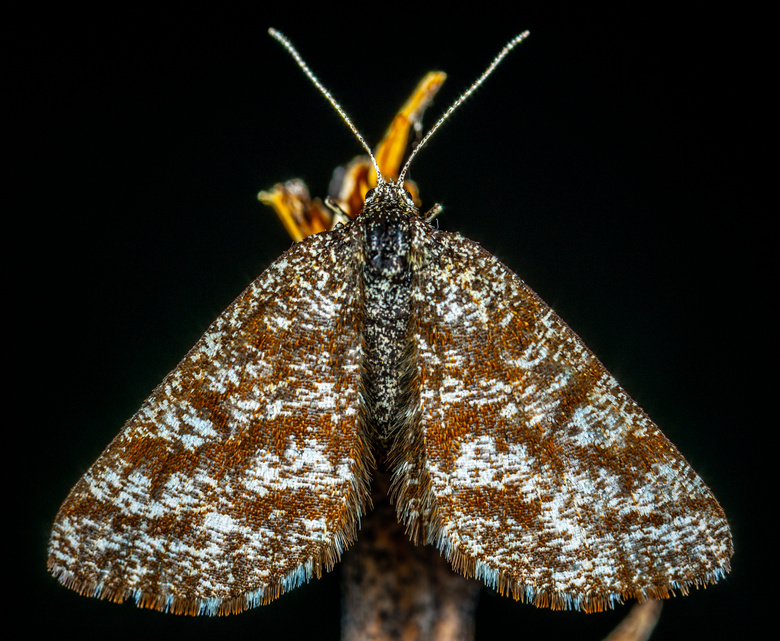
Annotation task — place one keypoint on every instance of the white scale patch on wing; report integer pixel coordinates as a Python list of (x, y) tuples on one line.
[(543, 477), (244, 473)]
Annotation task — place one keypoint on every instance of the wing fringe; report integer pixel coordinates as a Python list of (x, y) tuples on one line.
[(211, 606)]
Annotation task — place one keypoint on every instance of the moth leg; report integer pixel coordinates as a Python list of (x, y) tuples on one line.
[(433, 212), (340, 217)]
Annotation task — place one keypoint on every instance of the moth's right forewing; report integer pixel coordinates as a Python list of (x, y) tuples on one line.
[(527, 463)]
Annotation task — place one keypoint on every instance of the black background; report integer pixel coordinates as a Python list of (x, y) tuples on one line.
[(609, 161)]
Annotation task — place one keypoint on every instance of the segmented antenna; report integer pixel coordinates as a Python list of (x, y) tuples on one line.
[(294, 52), (501, 55)]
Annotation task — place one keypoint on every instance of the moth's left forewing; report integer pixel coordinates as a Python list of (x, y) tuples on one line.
[(526, 462), (246, 470)]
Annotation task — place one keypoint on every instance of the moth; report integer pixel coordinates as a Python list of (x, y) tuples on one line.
[(386, 341)]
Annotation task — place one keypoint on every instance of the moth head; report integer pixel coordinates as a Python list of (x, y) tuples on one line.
[(387, 194)]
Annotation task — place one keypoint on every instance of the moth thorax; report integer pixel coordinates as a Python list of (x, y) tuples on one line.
[(387, 244)]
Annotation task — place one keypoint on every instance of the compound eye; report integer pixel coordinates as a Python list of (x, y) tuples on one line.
[(408, 196), (370, 193)]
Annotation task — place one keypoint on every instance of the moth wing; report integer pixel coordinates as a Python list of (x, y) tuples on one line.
[(246, 470), (526, 462)]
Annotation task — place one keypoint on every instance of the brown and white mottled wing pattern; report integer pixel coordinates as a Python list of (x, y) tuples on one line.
[(528, 465), (245, 472)]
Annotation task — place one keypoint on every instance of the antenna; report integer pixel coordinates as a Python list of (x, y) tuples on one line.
[(294, 52), (501, 55), (305, 68)]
